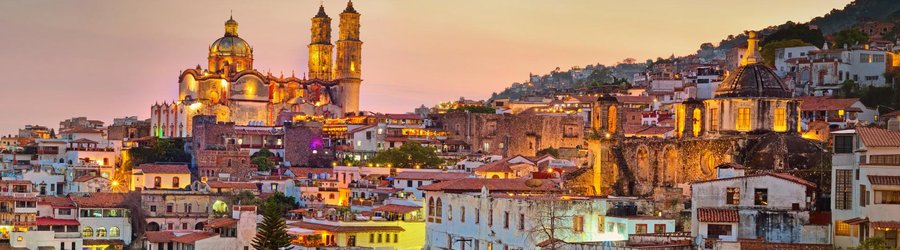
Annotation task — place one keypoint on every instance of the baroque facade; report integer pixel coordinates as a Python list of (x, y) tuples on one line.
[(231, 89)]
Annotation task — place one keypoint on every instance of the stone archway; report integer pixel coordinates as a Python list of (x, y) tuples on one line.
[(152, 226), (199, 226)]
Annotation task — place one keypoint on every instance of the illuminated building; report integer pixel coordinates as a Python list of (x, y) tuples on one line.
[(231, 89)]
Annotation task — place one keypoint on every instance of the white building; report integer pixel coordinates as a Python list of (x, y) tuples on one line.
[(865, 199), (410, 180), (782, 67), (105, 220), (773, 207)]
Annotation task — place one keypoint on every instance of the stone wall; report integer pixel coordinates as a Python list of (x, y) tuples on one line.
[(507, 135)]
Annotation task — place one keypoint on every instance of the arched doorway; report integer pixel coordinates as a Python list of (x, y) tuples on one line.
[(152, 226), (199, 226)]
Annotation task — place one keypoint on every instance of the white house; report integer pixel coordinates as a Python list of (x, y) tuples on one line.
[(105, 220), (773, 207), (865, 199), (782, 67)]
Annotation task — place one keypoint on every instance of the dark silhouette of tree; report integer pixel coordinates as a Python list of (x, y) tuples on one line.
[(409, 155), (850, 37), (272, 232)]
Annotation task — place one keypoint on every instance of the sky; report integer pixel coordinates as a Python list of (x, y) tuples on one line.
[(104, 59)]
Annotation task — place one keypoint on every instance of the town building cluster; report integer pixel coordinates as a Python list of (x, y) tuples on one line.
[(696, 155)]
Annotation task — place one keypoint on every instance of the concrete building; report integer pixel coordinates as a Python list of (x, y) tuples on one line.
[(160, 176), (865, 184)]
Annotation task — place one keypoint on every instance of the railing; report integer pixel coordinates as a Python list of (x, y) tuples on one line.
[(884, 160), (67, 235)]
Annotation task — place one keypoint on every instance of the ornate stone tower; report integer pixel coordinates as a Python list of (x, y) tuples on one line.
[(349, 59), (320, 48)]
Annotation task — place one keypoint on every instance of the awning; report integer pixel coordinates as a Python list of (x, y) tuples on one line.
[(856, 221), (300, 231), (396, 208), (886, 224)]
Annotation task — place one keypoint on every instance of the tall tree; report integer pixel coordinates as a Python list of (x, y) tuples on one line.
[(409, 155), (272, 232), (850, 37)]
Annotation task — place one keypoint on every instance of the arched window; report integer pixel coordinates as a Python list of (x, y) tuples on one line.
[(611, 127), (157, 182), (330, 196), (114, 232), (431, 209), (175, 182), (697, 119), (438, 211), (87, 232), (101, 232), (449, 212)]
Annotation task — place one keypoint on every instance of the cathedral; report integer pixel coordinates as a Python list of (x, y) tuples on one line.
[(233, 91)]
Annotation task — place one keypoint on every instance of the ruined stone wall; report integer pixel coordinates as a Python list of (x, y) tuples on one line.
[(505, 134)]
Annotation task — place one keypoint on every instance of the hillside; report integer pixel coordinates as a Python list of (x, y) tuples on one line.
[(859, 10)]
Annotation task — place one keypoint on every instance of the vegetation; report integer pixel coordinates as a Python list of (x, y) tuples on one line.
[(157, 150), (282, 203), (855, 11), (873, 244), (263, 160), (548, 151), (272, 232), (850, 37), (409, 155), (886, 98), (769, 50), (792, 31)]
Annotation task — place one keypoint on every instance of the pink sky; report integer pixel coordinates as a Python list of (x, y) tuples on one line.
[(106, 59)]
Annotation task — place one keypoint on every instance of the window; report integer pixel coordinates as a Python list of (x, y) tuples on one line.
[(761, 197), (621, 227), (521, 222), (640, 228), (716, 230), (175, 182), (600, 221), (371, 238), (477, 215), (438, 211), (395, 238), (491, 217), (65, 211), (101, 232), (743, 119), (506, 219), (152, 208), (462, 214), (611, 123), (409, 183), (659, 228), (843, 144), (157, 182), (841, 228), (780, 120), (862, 195), (114, 232), (887, 197), (449, 212), (578, 223), (87, 232), (733, 196), (431, 210), (843, 189), (387, 238), (714, 119), (170, 208)]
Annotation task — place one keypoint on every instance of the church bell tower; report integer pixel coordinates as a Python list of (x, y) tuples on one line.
[(320, 48), (349, 59)]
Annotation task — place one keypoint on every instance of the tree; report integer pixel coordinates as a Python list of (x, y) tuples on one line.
[(548, 151), (272, 232), (873, 244), (850, 37), (409, 155), (280, 202), (850, 89), (157, 150), (474, 109), (768, 51), (263, 160), (243, 198), (791, 31)]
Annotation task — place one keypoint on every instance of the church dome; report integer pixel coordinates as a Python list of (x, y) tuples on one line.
[(753, 80), (231, 44)]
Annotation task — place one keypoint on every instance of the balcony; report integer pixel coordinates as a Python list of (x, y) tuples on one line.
[(90, 149), (67, 235)]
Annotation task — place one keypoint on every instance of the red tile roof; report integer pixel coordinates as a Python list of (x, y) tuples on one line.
[(304, 172), (884, 179), (886, 224), (57, 202), (220, 222), (47, 221), (634, 99), (100, 200), (84, 140), (494, 185), (345, 229), (353, 131), (878, 137), (428, 175), (232, 185), (193, 237), (499, 166), (164, 169), (717, 215), (395, 208), (159, 236), (825, 103), (86, 178), (892, 114)]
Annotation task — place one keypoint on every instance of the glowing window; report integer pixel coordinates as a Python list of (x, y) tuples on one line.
[(87, 232), (743, 119), (612, 119), (780, 120), (696, 121)]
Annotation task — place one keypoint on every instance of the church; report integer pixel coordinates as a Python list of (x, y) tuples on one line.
[(232, 90)]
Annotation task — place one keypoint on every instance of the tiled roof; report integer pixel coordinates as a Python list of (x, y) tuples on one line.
[(15, 182), (884, 179), (232, 185), (423, 175), (886, 224), (717, 215), (783, 176), (304, 172), (271, 178), (84, 140), (892, 114), (878, 137), (47, 221), (353, 131), (395, 208), (193, 237), (494, 185), (57, 202), (220, 222), (159, 236), (345, 229), (100, 200), (86, 178), (825, 103), (164, 169), (634, 99), (400, 116)]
